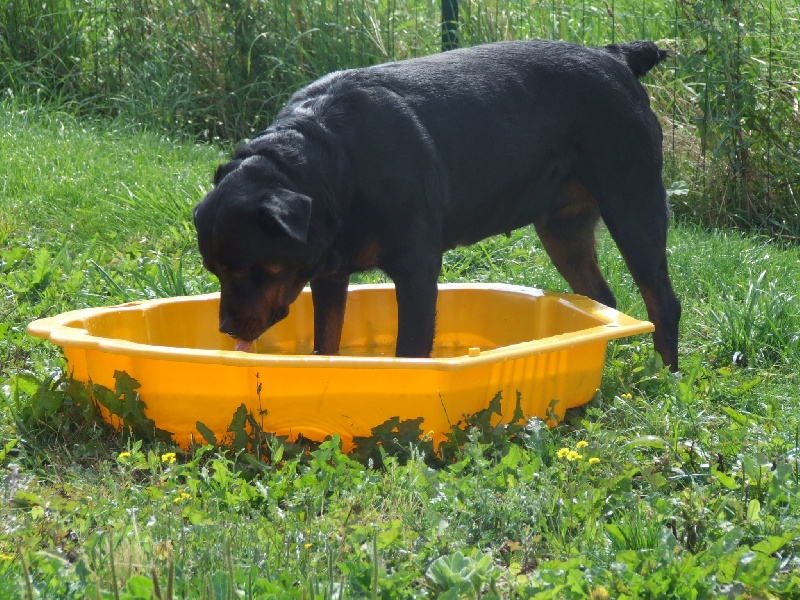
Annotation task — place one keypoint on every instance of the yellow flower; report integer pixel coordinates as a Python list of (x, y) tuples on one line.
[(124, 455), (307, 546), (183, 496), (572, 455), (582, 444), (563, 452), (599, 593), (594, 460), (6, 557), (169, 458)]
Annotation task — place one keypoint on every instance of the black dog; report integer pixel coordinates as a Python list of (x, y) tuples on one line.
[(389, 166)]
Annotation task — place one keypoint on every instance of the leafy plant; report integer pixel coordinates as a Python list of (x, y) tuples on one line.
[(127, 409), (460, 576)]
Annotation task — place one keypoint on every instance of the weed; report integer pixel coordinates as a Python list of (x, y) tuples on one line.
[(755, 326)]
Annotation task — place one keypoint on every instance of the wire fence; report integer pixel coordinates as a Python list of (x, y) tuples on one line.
[(219, 70)]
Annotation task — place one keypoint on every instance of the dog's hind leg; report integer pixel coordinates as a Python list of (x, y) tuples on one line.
[(639, 228), (568, 235)]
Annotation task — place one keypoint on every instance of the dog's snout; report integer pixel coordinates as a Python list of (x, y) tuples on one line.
[(248, 328), (280, 313), (227, 326)]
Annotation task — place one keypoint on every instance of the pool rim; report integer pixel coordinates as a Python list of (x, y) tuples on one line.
[(614, 324)]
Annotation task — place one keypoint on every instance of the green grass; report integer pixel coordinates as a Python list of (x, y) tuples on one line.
[(677, 486), (219, 71)]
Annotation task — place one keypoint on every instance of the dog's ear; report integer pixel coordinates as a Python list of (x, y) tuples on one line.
[(225, 169), (287, 212)]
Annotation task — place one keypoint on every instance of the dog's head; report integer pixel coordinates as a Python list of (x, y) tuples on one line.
[(252, 230)]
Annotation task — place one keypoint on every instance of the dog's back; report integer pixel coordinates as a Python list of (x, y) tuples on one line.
[(484, 71), (506, 123)]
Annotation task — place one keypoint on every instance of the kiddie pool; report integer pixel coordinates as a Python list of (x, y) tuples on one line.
[(489, 338)]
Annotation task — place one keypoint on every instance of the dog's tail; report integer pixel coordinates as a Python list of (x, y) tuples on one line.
[(639, 56)]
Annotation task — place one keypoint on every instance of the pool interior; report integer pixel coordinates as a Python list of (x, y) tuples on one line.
[(466, 318)]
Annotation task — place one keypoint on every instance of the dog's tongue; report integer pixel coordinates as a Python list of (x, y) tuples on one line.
[(243, 346)]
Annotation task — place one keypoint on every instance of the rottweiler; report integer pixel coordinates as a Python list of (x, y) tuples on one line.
[(389, 166)]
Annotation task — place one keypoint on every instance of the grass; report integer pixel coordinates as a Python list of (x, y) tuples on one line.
[(661, 487), (219, 71)]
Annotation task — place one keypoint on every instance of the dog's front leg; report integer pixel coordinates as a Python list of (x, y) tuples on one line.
[(329, 296), (416, 290)]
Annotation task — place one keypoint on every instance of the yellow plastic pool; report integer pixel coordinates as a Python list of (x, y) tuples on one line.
[(489, 338)]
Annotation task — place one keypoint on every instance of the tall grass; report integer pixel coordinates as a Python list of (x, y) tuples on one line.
[(218, 71), (215, 70)]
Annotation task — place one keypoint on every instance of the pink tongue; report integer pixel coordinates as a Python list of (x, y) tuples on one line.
[(243, 346)]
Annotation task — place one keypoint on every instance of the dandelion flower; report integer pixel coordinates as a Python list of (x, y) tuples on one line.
[(594, 460), (582, 444), (572, 455), (124, 455), (183, 496), (307, 545), (6, 557), (168, 458), (563, 452)]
